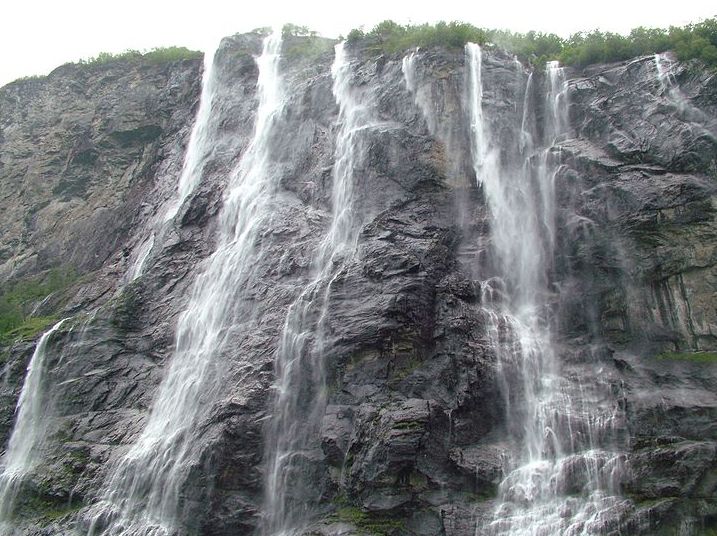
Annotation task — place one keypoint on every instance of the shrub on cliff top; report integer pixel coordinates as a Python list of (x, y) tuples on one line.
[(584, 48), (388, 36), (300, 42), (294, 30), (156, 55)]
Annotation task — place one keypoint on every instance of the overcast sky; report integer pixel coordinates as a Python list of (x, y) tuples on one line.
[(38, 35)]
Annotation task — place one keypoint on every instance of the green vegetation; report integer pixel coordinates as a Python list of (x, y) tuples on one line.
[(391, 37), (692, 41), (31, 78), (293, 30), (18, 297), (409, 426), (156, 55), (29, 328), (308, 48), (485, 493), (126, 306), (371, 523), (300, 42), (46, 509), (695, 357)]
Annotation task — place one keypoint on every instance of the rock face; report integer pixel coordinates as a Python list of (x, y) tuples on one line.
[(413, 434)]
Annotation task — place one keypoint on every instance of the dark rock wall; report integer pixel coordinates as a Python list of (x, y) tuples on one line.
[(82, 150), (413, 434)]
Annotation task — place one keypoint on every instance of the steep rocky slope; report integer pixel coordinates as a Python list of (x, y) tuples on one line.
[(413, 436)]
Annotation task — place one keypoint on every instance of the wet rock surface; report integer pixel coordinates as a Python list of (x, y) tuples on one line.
[(413, 437)]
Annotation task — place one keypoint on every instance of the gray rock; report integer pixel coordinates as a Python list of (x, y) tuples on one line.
[(413, 436)]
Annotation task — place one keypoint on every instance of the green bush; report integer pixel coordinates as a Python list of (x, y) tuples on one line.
[(28, 328), (307, 48), (695, 357), (584, 48), (355, 36), (19, 297), (293, 30), (168, 54), (369, 522), (156, 55), (10, 315), (27, 290), (389, 36)]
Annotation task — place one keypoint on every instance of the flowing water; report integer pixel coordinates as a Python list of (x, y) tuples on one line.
[(293, 444), (436, 99), (669, 87), (29, 431), (137, 267), (198, 151), (143, 492), (564, 477), (420, 92), (32, 413), (200, 139), (666, 79)]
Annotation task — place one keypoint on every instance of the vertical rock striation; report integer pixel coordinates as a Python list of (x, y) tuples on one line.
[(370, 372)]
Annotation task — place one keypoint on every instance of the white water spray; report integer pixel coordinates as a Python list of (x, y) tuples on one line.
[(664, 74), (142, 255), (669, 87), (437, 99), (300, 362), (420, 92), (564, 478), (23, 452), (199, 149), (143, 493), (556, 103), (199, 146)]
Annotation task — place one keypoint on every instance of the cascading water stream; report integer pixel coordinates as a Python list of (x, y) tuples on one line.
[(137, 267), (292, 443), (671, 89), (142, 495), (31, 423), (434, 98), (199, 140), (28, 432), (420, 96), (30, 429), (198, 150), (666, 79), (563, 479)]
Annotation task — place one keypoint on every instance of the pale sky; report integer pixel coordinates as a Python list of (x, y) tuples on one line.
[(38, 35)]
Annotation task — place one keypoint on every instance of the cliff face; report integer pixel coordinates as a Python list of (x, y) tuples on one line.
[(400, 378)]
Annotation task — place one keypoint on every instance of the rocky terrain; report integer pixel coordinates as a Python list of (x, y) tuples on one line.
[(413, 433)]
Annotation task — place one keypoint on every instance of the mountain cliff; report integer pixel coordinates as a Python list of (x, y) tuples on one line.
[(435, 292)]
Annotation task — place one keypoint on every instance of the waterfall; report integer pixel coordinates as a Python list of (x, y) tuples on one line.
[(420, 95), (137, 267), (527, 136), (670, 88), (427, 94), (28, 432), (563, 478), (292, 444), (199, 140), (142, 494), (198, 150), (556, 103), (664, 73)]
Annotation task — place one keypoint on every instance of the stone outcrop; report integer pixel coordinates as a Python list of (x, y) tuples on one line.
[(412, 438)]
